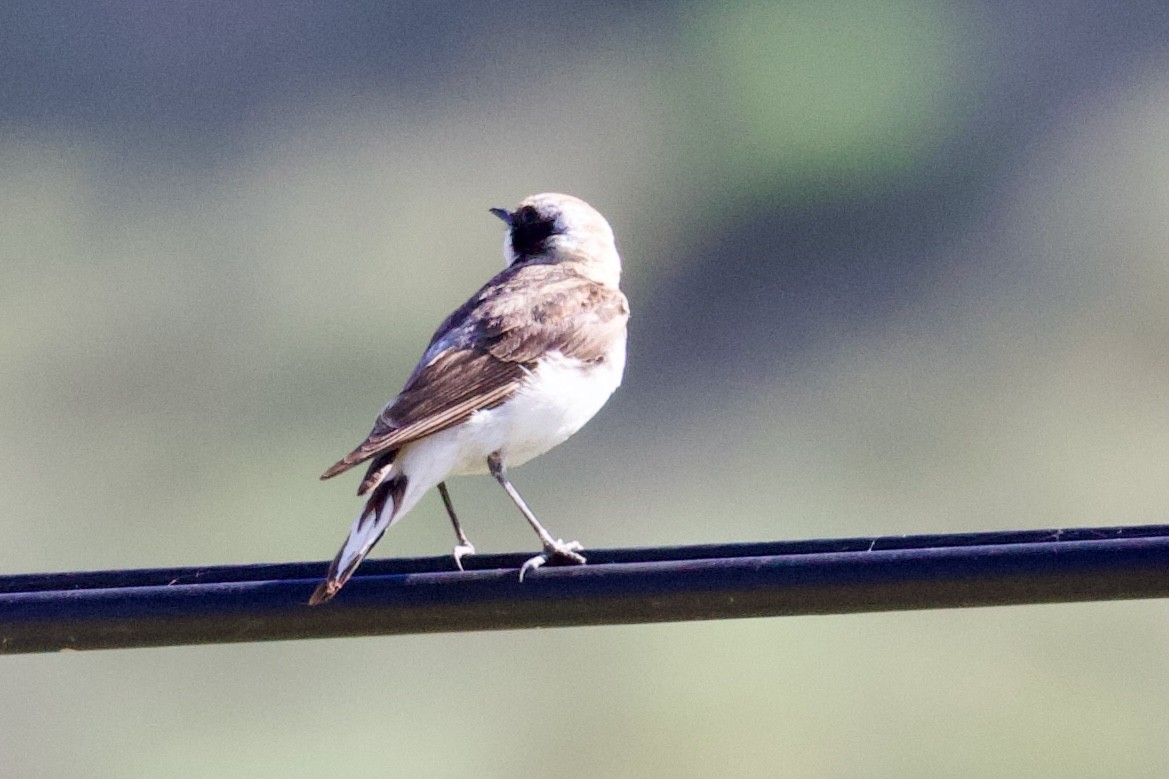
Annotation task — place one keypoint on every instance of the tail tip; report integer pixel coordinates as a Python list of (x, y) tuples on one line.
[(324, 592), (341, 465)]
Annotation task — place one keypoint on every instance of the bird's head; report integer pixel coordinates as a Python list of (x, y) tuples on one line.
[(553, 228)]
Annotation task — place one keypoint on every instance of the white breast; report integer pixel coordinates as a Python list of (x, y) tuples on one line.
[(557, 399), (561, 395)]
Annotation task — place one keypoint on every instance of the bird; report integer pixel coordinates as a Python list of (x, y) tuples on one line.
[(516, 370)]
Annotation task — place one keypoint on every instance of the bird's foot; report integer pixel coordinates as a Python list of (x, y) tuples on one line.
[(460, 551), (560, 551)]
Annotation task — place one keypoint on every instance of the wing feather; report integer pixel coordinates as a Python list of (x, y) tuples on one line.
[(481, 354), (444, 393)]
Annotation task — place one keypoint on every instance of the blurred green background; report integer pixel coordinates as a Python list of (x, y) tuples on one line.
[(895, 267)]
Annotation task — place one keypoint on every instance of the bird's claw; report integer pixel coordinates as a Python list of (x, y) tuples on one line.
[(566, 552), (460, 551)]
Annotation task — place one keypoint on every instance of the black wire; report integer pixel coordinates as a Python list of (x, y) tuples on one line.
[(164, 607)]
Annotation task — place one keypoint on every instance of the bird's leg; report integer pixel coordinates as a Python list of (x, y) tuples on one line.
[(553, 547), (464, 547)]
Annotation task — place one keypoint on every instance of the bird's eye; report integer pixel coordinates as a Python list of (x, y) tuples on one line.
[(530, 231)]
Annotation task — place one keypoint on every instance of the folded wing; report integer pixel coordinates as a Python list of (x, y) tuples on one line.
[(482, 352)]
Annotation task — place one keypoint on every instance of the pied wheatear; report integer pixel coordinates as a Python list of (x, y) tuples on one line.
[(516, 370)]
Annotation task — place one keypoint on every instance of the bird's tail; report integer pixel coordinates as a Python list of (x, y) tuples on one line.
[(369, 526)]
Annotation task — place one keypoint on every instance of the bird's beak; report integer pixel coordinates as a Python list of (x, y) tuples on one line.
[(503, 214)]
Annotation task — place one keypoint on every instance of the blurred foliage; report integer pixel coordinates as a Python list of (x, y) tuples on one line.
[(839, 96), (895, 267)]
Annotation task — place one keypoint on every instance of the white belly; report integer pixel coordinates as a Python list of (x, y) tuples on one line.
[(556, 401)]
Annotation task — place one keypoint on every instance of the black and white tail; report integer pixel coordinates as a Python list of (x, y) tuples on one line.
[(369, 526)]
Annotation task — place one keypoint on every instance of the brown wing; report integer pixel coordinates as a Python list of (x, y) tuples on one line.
[(481, 353), (574, 316), (440, 395)]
